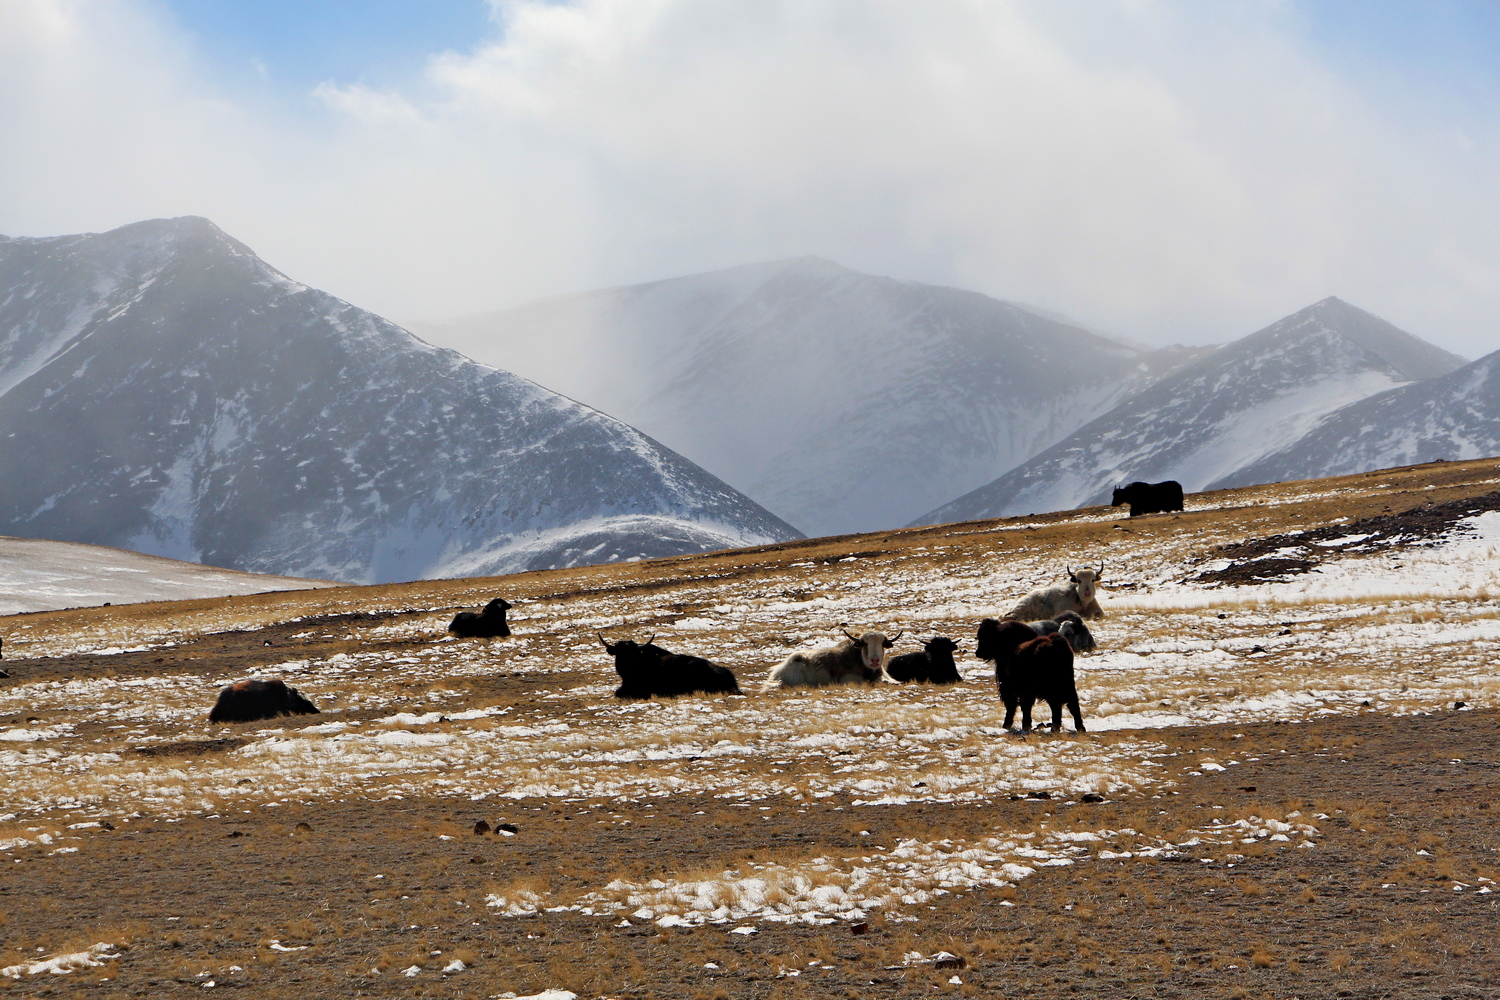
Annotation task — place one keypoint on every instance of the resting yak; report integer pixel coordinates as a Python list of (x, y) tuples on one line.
[(1149, 498), (249, 701), (487, 624), (932, 664), (1030, 667), (1080, 595), (648, 669), (853, 661)]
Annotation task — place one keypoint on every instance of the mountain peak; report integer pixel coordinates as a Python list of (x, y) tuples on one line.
[(1409, 356), (165, 396)]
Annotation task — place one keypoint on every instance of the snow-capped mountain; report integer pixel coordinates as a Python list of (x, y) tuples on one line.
[(164, 390), (842, 401), (1454, 416), (1225, 412)]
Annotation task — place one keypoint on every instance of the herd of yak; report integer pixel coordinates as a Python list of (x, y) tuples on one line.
[(1033, 660), (1031, 649)]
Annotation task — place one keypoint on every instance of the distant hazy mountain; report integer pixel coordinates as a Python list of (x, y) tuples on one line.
[(841, 401), (1454, 416), (1222, 413), (162, 389)]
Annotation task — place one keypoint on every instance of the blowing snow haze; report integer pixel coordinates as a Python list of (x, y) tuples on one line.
[(842, 401), (165, 390)]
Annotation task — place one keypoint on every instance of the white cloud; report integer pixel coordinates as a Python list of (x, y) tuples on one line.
[(1165, 170)]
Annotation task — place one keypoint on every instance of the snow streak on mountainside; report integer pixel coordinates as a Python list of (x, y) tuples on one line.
[(165, 390), (1218, 415), (843, 402), (1455, 416)]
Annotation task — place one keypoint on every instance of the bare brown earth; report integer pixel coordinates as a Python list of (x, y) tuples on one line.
[(354, 885)]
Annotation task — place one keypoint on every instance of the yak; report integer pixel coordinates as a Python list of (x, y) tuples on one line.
[(1029, 667), (853, 661), (250, 701), (932, 664), (647, 669), (1071, 627), (1080, 595), (1149, 498), (487, 624)]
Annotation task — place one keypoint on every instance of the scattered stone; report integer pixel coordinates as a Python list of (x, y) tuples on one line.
[(233, 833), (948, 960), (1091, 797), (1247, 788), (304, 828), (863, 927), (105, 824), (509, 828), (481, 828), (1458, 705), (1043, 794)]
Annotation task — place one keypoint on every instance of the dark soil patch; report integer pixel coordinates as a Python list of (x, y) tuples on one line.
[(1256, 571), (1427, 523), (191, 748), (1424, 525)]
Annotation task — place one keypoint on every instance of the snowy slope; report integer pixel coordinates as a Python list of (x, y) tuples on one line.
[(842, 401), (1222, 413), (41, 575), (165, 390), (1454, 416)]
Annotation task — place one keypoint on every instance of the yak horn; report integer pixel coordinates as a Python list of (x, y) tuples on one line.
[(898, 635), (1101, 569), (851, 638), (651, 640), (603, 640)]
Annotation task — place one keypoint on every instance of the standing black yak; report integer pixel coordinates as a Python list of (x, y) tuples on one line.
[(1029, 667), (1149, 498), (487, 624), (648, 669), (249, 701)]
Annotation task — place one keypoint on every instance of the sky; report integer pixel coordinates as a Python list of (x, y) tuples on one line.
[(1168, 171)]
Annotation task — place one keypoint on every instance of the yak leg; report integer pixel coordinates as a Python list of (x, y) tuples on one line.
[(1025, 715), (1077, 716), (1010, 711), (1056, 707)]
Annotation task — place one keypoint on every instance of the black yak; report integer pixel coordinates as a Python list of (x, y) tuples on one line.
[(648, 669), (249, 701), (1149, 498), (487, 624), (933, 664), (1030, 667)]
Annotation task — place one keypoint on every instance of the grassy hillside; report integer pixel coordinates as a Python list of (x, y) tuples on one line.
[(815, 843)]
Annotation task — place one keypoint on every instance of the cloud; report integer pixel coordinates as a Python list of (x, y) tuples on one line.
[(1165, 170)]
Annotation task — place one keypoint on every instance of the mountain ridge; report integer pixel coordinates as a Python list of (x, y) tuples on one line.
[(842, 401), (1243, 401), (173, 393)]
